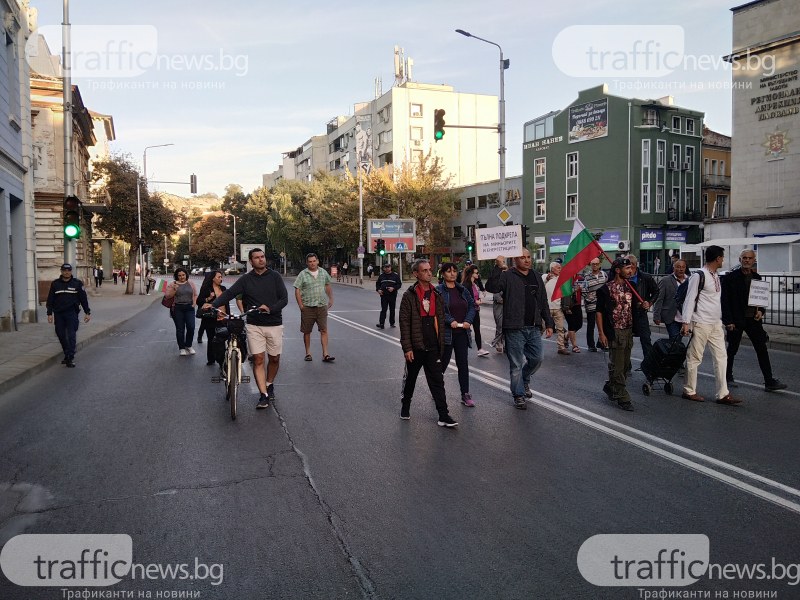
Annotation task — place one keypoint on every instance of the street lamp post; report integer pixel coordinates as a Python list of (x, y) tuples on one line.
[(501, 128), (139, 213)]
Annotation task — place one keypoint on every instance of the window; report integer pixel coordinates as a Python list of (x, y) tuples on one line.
[(676, 198), (650, 117), (689, 203), (482, 202), (661, 153), (705, 167), (416, 110), (539, 129), (705, 206), (385, 137), (471, 203), (457, 205), (540, 211), (458, 233), (645, 197), (676, 155), (676, 124), (494, 200), (416, 133), (645, 153), (660, 206), (572, 164), (721, 207), (539, 167), (721, 168), (713, 167), (572, 206), (689, 126), (416, 156), (690, 158)]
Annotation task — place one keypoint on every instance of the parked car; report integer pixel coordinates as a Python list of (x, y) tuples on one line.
[(233, 271)]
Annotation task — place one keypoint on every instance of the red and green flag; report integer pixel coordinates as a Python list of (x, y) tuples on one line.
[(580, 252)]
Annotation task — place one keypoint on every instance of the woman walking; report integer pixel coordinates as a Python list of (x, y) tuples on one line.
[(471, 280), (211, 289), (185, 296), (571, 305), (459, 312)]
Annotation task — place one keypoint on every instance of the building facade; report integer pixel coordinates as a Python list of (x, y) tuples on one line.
[(18, 295), (765, 174), (716, 186), (629, 169)]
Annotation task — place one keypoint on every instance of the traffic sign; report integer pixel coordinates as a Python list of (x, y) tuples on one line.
[(504, 216)]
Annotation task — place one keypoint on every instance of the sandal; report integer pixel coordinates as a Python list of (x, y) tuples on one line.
[(328, 358), (308, 358), (575, 349)]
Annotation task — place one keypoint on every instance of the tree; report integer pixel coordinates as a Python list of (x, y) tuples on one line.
[(117, 178)]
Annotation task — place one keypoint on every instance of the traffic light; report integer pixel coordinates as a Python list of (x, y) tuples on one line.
[(470, 245), (380, 247), (524, 236), (193, 183), (438, 124), (72, 218)]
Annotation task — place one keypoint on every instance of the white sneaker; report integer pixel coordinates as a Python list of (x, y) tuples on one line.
[(190, 351), (483, 352), (183, 352)]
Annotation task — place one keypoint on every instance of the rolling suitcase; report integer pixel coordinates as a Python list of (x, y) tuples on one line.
[(662, 363)]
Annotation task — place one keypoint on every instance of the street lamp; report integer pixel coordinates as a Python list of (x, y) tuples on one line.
[(139, 213), (504, 63)]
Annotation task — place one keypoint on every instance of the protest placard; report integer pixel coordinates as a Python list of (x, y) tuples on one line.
[(492, 242), (759, 294)]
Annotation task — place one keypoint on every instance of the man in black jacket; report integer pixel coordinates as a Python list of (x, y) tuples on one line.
[(387, 285), (525, 308), (647, 288), (64, 302), (738, 318)]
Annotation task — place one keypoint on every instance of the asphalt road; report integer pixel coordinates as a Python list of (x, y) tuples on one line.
[(328, 494)]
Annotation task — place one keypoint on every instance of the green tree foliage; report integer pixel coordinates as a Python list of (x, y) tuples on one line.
[(211, 242), (117, 178)]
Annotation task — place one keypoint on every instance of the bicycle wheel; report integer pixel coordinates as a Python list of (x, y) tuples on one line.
[(234, 370)]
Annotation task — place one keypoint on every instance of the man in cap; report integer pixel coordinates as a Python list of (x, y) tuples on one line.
[(64, 302)]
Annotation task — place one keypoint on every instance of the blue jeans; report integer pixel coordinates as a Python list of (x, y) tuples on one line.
[(524, 350), (184, 325), (674, 330)]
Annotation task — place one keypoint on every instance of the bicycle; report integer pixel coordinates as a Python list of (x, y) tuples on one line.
[(231, 372)]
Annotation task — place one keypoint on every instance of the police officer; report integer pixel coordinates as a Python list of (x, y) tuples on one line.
[(64, 302)]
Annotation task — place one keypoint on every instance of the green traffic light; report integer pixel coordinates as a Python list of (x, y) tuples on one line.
[(382, 252), (438, 135), (72, 232)]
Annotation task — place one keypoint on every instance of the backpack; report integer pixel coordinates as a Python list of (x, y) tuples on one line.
[(680, 293)]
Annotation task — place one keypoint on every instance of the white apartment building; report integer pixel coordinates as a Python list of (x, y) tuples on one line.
[(398, 127)]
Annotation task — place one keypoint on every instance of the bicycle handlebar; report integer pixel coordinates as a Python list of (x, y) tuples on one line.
[(246, 313)]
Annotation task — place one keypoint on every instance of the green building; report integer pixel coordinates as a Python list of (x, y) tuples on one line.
[(629, 169)]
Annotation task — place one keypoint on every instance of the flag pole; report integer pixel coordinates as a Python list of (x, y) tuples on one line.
[(628, 281)]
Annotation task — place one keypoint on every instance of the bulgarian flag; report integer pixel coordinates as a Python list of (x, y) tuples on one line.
[(580, 252)]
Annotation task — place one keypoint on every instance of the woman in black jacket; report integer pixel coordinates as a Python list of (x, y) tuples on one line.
[(211, 289)]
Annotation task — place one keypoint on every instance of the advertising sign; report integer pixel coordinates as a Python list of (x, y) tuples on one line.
[(675, 239), (651, 239), (400, 235), (610, 240), (244, 250), (559, 243), (588, 121), (492, 242)]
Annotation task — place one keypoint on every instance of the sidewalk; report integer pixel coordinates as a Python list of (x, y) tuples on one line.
[(34, 346)]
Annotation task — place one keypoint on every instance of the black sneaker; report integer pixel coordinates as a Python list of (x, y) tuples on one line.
[(69, 363), (263, 401), (379, 326), (405, 412), (271, 392), (775, 385), (607, 390), (528, 392), (446, 421), (519, 402), (392, 325)]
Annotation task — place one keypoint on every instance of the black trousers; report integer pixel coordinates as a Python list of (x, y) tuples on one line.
[(387, 301), (460, 346), (431, 361), (759, 338)]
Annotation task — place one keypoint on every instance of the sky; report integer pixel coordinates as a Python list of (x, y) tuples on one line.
[(234, 85)]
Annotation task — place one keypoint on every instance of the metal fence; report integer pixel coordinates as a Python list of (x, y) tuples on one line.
[(784, 308)]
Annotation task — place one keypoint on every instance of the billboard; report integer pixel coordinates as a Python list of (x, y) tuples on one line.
[(400, 235), (588, 121)]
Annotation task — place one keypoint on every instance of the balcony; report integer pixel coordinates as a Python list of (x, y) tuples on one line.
[(686, 215), (717, 181)]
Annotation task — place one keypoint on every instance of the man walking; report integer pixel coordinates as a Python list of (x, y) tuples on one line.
[(739, 318), (525, 308), (64, 302), (615, 309), (591, 283), (555, 307), (387, 285), (647, 289), (702, 315), (665, 309), (422, 340), (314, 295), (263, 288)]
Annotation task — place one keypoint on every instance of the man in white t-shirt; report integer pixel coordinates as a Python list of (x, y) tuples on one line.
[(555, 307), (702, 315)]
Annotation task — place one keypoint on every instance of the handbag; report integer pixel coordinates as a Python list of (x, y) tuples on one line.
[(168, 302)]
